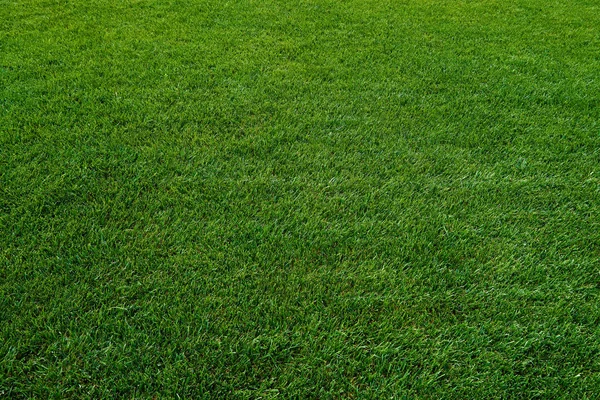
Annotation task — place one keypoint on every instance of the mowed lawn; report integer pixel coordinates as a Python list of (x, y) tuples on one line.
[(300, 199)]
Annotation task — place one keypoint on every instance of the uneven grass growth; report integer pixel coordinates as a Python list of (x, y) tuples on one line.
[(299, 198)]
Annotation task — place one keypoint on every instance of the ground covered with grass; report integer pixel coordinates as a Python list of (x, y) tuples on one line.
[(299, 199)]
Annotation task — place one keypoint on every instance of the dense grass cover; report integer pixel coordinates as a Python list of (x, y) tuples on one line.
[(299, 198)]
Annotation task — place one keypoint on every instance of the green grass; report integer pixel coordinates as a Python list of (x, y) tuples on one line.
[(299, 199)]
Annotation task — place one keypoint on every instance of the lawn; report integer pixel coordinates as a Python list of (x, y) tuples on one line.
[(300, 199)]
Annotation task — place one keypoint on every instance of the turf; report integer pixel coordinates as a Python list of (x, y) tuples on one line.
[(299, 199)]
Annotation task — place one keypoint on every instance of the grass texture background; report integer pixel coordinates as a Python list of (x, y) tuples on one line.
[(299, 199)]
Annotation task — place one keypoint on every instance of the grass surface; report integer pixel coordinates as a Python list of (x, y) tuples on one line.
[(299, 199)]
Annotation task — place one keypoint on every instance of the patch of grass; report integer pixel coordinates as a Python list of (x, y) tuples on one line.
[(299, 199)]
